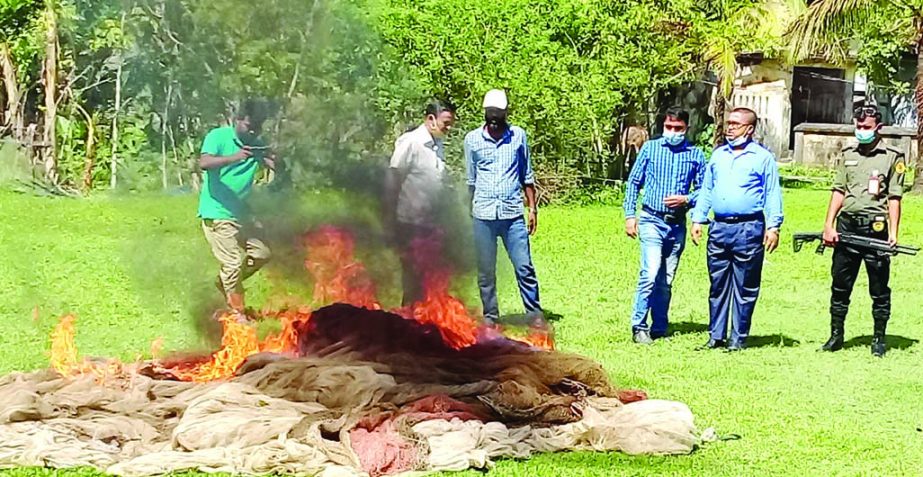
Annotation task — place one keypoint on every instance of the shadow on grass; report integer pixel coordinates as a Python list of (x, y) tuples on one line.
[(772, 341), (686, 327), (893, 342)]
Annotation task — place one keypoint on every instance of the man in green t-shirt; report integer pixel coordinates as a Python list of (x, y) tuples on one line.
[(230, 158)]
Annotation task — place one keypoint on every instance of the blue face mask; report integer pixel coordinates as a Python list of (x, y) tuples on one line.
[(674, 138), (737, 141), (866, 136)]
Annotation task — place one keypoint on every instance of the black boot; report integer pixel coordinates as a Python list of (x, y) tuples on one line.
[(878, 339), (835, 343)]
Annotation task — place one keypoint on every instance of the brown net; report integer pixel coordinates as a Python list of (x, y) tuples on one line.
[(370, 393)]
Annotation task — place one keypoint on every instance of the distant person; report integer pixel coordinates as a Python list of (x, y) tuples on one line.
[(866, 201), (499, 168), (230, 159), (666, 169), (742, 188), (415, 185)]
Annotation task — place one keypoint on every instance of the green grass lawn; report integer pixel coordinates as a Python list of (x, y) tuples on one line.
[(136, 269)]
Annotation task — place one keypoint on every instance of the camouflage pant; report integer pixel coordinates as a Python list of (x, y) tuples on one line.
[(240, 255)]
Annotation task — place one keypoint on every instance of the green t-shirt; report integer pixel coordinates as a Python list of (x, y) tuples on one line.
[(224, 189)]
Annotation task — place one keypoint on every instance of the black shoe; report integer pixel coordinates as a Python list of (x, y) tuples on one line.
[(878, 347), (835, 343), (878, 339), (642, 337), (736, 346), (658, 336), (714, 344)]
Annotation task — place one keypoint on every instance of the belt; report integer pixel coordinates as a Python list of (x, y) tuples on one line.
[(674, 217), (734, 219), (648, 210)]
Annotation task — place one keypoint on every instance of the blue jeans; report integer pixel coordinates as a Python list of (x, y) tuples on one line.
[(735, 264), (515, 238), (662, 245)]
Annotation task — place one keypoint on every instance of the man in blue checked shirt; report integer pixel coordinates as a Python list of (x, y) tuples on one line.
[(666, 169), (499, 168), (742, 189)]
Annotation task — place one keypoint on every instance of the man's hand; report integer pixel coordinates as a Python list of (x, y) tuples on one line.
[(533, 220), (831, 237), (771, 240), (696, 233), (631, 227), (270, 161), (892, 237), (242, 154), (675, 201)]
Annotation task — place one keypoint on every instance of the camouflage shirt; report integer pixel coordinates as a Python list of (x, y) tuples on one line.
[(854, 172)]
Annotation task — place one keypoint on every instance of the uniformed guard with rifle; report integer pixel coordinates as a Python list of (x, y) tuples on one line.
[(866, 201)]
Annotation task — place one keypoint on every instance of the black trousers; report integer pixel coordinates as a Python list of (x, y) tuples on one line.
[(845, 269)]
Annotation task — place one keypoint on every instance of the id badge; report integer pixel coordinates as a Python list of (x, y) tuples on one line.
[(874, 183)]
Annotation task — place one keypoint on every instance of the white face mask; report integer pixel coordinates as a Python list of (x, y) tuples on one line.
[(674, 138), (737, 141)]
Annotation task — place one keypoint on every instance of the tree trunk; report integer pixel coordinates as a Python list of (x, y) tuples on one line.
[(50, 78), (918, 99), (720, 111), (165, 123), (114, 159), (13, 113), (90, 162)]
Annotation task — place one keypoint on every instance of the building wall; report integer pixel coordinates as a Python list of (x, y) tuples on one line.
[(767, 89)]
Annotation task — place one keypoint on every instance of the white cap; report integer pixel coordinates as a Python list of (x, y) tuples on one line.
[(495, 98)]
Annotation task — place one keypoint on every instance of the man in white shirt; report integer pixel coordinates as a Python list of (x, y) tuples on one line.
[(414, 185)]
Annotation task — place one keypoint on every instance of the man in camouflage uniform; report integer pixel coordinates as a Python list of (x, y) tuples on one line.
[(866, 200)]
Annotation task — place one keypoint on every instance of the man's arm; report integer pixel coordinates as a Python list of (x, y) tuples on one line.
[(635, 182), (394, 179), (211, 154), (837, 197), (471, 172), (895, 192), (699, 177), (528, 182), (831, 236), (894, 222), (773, 201)]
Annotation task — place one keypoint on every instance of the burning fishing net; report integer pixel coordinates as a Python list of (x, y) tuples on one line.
[(342, 390)]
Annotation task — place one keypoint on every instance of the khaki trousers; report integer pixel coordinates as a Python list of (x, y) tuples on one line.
[(240, 256)]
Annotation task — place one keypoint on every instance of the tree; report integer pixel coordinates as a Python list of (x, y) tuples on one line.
[(828, 27), (732, 27)]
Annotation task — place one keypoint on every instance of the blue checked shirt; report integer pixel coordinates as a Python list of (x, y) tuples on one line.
[(498, 170), (663, 170), (741, 183)]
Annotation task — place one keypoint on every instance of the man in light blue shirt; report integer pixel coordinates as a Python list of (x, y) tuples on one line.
[(666, 169), (742, 188), (499, 168)]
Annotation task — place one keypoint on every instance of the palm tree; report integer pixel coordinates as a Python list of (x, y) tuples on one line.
[(827, 27), (739, 26)]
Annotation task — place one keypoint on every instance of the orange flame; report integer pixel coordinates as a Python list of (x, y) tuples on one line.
[(66, 361), (438, 306), (338, 277)]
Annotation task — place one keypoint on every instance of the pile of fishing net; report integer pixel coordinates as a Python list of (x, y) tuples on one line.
[(368, 393)]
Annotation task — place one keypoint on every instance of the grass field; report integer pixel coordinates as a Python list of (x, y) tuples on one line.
[(134, 269)]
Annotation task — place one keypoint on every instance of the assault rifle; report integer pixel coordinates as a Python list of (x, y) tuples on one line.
[(857, 241)]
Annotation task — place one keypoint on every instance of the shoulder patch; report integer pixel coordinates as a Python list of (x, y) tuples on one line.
[(900, 167)]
